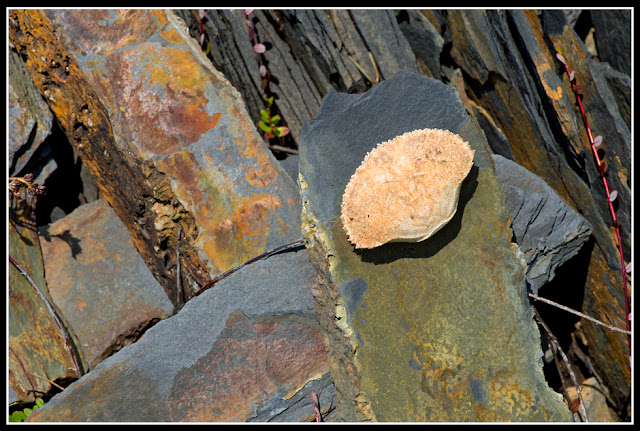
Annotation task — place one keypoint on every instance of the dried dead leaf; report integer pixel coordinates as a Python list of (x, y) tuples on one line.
[(406, 189)]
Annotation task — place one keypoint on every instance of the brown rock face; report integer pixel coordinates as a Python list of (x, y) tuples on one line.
[(162, 133), (406, 189)]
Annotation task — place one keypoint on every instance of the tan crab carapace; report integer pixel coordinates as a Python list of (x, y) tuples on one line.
[(406, 188)]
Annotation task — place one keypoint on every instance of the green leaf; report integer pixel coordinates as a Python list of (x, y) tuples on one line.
[(265, 114), (265, 127), (275, 119), (17, 417), (270, 100), (39, 403)]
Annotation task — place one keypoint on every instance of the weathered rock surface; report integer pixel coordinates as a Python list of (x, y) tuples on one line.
[(37, 348), (30, 122), (547, 230), (433, 331), (99, 282), (308, 53), (508, 61), (249, 348), (165, 135)]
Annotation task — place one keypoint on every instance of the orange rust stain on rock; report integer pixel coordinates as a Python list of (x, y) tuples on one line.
[(261, 171), (207, 158), (232, 228), (172, 36), (241, 234), (264, 174), (160, 93), (544, 73), (184, 167)]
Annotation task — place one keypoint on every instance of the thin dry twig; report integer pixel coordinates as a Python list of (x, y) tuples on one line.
[(253, 259), (562, 307), (375, 67), (283, 149), (557, 349), (50, 381), (361, 70), (63, 330)]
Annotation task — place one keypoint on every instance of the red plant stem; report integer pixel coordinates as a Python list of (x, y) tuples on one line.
[(259, 60), (63, 331), (201, 30), (611, 210)]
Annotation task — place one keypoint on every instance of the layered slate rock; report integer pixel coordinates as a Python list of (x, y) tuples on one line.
[(508, 59), (430, 331), (248, 348), (547, 230), (99, 281), (164, 134), (309, 51), (30, 122)]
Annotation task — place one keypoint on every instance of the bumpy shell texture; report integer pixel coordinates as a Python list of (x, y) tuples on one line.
[(406, 188)]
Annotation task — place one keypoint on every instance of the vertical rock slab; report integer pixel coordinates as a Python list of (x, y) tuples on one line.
[(165, 135), (431, 331), (99, 282), (523, 87), (37, 348), (30, 122), (249, 348), (547, 230)]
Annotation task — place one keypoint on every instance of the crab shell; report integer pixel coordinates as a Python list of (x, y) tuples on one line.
[(406, 188)]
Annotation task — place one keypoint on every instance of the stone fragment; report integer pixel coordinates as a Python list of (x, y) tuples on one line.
[(548, 231), (249, 348), (99, 282), (431, 331), (613, 37), (425, 40), (30, 122), (406, 188), (37, 350)]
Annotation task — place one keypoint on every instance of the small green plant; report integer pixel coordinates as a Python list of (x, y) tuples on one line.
[(269, 123), (21, 416)]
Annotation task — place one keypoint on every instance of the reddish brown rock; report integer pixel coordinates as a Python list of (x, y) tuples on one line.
[(99, 282), (38, 352), (253, 359), (164, 134)]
